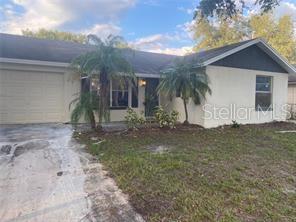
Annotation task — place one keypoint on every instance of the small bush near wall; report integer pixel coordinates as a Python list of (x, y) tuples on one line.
[(165, 119), (133, 120), (292, 111), (235, 124)]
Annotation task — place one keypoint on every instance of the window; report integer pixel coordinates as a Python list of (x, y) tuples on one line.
[(263, 93), (119, 96)]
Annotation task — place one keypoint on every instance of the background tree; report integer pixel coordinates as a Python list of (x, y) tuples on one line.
[(219, 32), (279, 33), (56, 35), (230, 8), (104, 63), (190, 81)]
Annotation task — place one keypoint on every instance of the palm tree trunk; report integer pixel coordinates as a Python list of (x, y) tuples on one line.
[(92, 119), (186, 112), (104, 100)]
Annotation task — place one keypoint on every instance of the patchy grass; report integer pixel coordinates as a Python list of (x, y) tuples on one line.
[(245, 174)]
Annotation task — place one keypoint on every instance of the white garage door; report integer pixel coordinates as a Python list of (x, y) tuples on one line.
[(31, 97)]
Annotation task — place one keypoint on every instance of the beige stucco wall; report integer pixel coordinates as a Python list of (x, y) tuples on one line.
[(195, 113), (234, 90), (292, 94)]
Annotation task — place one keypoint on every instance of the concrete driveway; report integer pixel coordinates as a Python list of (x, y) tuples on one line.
[(45, 175)]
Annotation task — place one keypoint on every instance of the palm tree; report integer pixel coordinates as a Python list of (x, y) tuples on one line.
[(104, 63), (85, 105), (188, 80)]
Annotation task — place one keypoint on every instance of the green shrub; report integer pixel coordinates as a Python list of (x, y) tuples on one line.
[(165, 119), (133, 120), (235, 124), (292, 112)]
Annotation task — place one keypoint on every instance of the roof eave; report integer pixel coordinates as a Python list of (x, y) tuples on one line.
[(33, 62)]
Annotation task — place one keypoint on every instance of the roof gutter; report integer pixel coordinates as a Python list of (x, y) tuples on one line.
[(34, 62)]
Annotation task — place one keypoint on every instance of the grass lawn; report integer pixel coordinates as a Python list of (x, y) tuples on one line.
[(222, 174)]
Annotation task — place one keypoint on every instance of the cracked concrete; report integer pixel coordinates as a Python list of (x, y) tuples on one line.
[(45, 175)]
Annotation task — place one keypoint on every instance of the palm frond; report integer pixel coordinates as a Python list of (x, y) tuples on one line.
[(106, 62), (191, 81)]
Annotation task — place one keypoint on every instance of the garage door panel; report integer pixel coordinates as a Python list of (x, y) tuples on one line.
[(53, 116), (13, 89), (54, 78), (35, 116), (16, 104), (35, 92), (15, 76), (36, 77), (16, 116), (10, 102), (31, 97), (3, 117)]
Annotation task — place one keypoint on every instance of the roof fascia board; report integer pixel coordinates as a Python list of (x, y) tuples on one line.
[(145, 75), (33, 62)]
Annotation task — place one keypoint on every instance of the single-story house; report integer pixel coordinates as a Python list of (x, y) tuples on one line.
[(249, 83)]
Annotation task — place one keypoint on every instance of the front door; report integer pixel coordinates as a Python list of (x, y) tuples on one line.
[(151, 96)]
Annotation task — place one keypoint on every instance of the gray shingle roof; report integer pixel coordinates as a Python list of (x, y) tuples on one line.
[(21, 47), (28, 48), (203, 56)]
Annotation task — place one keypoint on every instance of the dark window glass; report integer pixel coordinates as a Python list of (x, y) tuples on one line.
[(263, 100), (119, 94), (119, 99), (135, 101), (116, 85), (263, 83), (85, 85)]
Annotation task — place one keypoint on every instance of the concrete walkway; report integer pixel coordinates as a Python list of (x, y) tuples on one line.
[(45, 175)]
